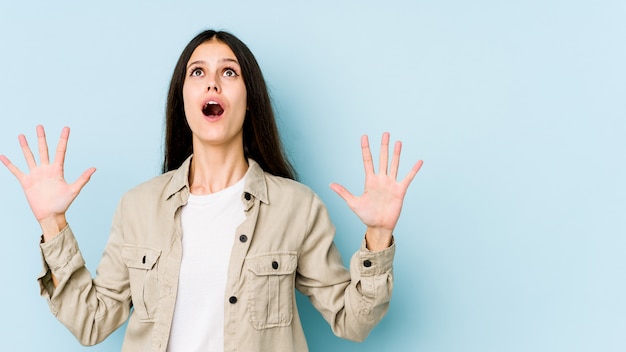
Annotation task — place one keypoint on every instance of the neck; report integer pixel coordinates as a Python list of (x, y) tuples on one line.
[(213, 170)]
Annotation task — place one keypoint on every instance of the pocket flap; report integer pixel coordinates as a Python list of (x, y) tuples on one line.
[(140, 257), (278, 263)]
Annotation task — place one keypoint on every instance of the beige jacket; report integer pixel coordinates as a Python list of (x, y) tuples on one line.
[(286, 241)]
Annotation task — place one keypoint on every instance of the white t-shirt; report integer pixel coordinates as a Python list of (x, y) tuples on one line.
[(208, 224)]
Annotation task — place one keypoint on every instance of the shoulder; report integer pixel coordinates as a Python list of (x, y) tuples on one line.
[(162, 187), (151, 189), (280, 188)]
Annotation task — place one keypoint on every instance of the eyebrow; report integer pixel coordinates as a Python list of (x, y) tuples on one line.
[(226, 59)]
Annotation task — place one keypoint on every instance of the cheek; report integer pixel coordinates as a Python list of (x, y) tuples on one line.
[(187, 98), (243, 100)]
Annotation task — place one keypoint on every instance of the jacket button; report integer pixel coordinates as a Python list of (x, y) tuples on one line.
[(243, 238), (247, 196), (367, 263), (275, 265), (232, 300)]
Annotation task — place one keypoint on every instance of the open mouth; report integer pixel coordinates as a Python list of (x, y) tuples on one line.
[(212, 108)]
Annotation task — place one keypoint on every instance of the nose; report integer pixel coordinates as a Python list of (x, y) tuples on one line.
[(213, 84)]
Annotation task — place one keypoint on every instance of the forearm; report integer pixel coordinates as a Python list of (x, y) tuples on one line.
[(353, 301), (353, 313), (90, 309)]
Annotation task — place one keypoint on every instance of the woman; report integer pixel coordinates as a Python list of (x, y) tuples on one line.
[(208, 253)]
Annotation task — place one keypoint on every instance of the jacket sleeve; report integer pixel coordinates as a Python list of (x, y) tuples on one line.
[(90, 308), (352, 301)]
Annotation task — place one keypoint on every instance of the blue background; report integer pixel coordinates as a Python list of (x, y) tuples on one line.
[(512, 235)]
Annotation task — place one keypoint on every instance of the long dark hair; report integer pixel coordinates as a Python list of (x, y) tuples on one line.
[(261, 141)]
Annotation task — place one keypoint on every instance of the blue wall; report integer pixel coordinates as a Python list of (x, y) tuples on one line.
[(513, 235)]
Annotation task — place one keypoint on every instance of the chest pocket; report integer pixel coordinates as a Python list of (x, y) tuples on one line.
[(271, 280), (142, 270)]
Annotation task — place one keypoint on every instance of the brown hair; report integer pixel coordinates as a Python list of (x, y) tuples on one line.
[(261, 141)]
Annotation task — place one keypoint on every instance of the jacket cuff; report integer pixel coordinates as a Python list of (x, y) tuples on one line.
[(61, 256), (372, 263)]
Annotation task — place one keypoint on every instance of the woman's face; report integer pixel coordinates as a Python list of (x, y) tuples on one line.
[(214, 96)]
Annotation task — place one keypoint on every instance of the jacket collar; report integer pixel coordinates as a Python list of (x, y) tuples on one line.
[(255, 181)]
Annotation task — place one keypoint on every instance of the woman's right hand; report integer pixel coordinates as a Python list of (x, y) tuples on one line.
[(46, 190)]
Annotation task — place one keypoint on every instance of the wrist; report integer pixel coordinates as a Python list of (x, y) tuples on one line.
[(377, 239), (51, 226)]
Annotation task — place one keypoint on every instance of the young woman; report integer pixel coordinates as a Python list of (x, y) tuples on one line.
[(208, 254)]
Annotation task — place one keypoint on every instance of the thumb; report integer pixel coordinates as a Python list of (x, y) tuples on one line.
[(83, 179), (342, 192)]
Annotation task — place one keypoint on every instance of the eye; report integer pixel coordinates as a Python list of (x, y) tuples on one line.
[(229, 72), (196, 72)]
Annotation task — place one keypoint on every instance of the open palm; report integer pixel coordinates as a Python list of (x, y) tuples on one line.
[(46, 190), (380, 204)]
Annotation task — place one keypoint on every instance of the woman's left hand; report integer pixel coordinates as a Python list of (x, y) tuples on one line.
[(380, 204)]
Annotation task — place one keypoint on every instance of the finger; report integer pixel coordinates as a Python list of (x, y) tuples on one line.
[(28, 155), (367, 155), (59, 157), (407, 180), (78, 185), (342, 192), (395, 160), (43, 145), (384, 154), (12, 168)]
